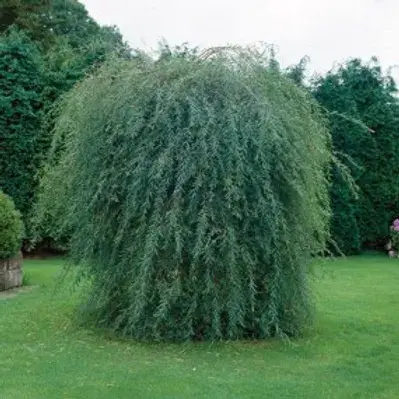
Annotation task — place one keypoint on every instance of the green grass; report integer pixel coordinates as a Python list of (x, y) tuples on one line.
[(352, 352)]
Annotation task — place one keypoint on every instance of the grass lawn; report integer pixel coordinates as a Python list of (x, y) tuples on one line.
[(352, 352)]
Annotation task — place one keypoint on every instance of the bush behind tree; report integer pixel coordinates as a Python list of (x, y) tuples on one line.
[(195, 190), (11, 228)]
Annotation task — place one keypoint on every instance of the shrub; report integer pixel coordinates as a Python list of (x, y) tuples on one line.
[(10, 228), (393, 245), (195, 191)]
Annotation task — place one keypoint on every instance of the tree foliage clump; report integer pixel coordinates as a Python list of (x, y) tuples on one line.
[(363, 111), (196, 191), (10, 227)]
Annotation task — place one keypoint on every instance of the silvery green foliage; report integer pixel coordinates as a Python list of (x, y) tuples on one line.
[(196, 191)]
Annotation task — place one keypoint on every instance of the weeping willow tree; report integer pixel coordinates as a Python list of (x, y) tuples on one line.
[(195, 192)]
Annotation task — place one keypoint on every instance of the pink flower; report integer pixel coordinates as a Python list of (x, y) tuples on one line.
[(395, 222)]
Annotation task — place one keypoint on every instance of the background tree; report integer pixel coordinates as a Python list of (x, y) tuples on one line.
[(21, 104), (195, 192), (59, 43), (364, 113)]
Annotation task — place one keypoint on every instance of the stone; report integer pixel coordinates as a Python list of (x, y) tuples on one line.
[(11, 273)]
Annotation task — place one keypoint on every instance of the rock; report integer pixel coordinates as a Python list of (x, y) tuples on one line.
[(11, 273)]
